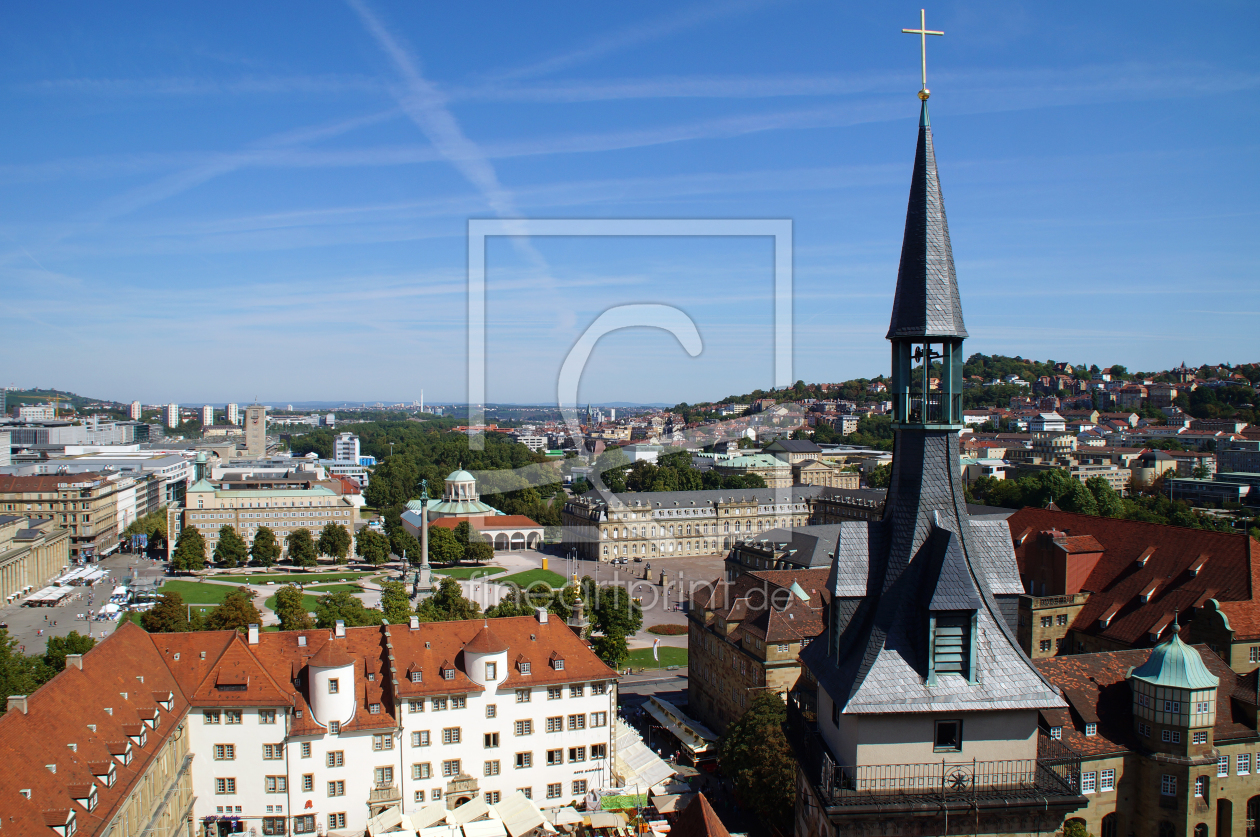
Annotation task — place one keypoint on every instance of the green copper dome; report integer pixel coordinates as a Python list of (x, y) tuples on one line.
[(1176, 665), (461, 476)]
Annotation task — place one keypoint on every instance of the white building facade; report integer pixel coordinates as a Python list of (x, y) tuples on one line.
[(346, 448), (171, 415)]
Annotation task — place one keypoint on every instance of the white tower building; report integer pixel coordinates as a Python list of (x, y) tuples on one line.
[(233, 414), (207, 415), (137, 410), (346, 448), (332, 690), (172, 415)]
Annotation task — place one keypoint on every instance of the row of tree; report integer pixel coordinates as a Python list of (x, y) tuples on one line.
[(232, 551)]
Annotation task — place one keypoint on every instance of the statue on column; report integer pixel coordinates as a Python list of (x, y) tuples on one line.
[(422, 584)]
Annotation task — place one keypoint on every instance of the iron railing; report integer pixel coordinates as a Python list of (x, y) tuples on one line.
[(1055, 772)]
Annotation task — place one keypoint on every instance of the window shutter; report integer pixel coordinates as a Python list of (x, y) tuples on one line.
[(951, 645)]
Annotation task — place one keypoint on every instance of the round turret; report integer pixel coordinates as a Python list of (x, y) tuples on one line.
[(485, 658), (460, 485), (1174, 696), (332, 692)]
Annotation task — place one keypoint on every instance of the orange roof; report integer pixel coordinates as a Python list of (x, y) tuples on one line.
[(485, 642), (330, 655), (488, 522)]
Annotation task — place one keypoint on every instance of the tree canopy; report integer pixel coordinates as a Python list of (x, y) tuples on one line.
[(170, 615), (291, 609), (444, 547), (447, 604), (60, 646), (301, 548), (394, 602), (372, 547), (265, 550), (190, 550), (347, 607), (235, 612), (334, 541), (231, 550), (755, 754)]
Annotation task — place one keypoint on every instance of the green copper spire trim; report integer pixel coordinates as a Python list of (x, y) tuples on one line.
[(923, 117), (1176, 665)]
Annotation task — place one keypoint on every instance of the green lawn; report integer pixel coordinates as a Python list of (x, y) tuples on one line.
[(296, 578), (195, 592), (670, 656), (469, 572), (309, 601), (523, 580)]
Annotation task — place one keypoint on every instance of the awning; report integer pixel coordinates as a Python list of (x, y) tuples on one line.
[(635, 765), (695, 737)]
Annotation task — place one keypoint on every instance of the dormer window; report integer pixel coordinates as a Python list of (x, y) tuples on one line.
[(524, 667), (1056, 733), (417, 676), (951, 644), (1091, 730), (557, 664), (448, 674)]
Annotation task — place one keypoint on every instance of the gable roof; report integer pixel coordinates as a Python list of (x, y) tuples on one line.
[(699, 819)]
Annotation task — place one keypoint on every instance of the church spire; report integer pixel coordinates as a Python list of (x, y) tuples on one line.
[(926, 303)]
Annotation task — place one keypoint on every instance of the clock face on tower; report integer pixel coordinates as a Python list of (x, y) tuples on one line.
[(255, 419)]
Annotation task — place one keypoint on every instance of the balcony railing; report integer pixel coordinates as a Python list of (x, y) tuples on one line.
[(1041, 602), (1054, 773)]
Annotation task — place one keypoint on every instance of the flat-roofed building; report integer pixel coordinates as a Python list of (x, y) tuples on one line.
[(85, 504), (777, 473), (171, 415), (255, 431)]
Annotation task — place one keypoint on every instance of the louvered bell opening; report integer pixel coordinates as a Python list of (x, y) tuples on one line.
[(950, 645)]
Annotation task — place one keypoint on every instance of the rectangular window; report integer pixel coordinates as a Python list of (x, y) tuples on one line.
[(337, 758), (435, 794), (306, 749), (524, 760), (599, 751), (492, 671), (529, 792), (554, 692), (577, 691), (266, 716), (1165, 735), (336, 821), (210, 717), (383, 776), (522, 695), (1091, 729), (273, 825), (1244, 763), (1253, 654), (304, 824), (948, 737), (490, 740), (273, 751), (277, 784), (417, 676), (577, 722), (951, 653), (414, 706), (555, 724), (1047, 621), (1089, 782), (524, 727), (491, 797), (554, 790), (525, 666), (334, 685), (1222, 766), (1202, 707), (1200, 736), (450, 735), (308, 782), (492, 710), (1167, 785), (374, 709), (1173, 706), (577, 754), (458, 701), (555, 757), (1044, 645), (1107, 780), (450, 768), (225, 786), (1144, 729), (337, 788), (224, 752), (490, 768), (579, 787), (422, 771), (382, 742), (599, 719), (418, 796), (599, 688), (1061, 619), (439, 704), (334, 727), (1200, 786), (420, 738)]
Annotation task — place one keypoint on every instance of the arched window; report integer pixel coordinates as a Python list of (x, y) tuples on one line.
[(1166, 829), (1253, 816), (1201, 830), (1110, 826), (653, 531)]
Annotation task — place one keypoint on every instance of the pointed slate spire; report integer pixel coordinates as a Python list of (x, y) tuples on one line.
[(926, 304)]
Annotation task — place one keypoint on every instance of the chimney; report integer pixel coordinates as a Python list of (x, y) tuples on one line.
[(415, 622), (541, 612), (74, 661), (253, 634), (17, 702), (340, 629)]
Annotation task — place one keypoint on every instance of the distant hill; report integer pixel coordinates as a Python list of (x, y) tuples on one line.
[(46, 396)]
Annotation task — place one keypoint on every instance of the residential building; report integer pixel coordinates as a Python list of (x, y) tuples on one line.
[(207, 415), (1047, 423), (532, 441), (346, 448), (255, 431), (32, 552), (745, 636), (925, 705), (1167, 739), (1107, 584), (37, 412), (171, 415), (6, 445), (775, 472), (172, 470), (1206, 492), (135, 411), (1238, 455), (308, 732), (661, 523), (233, 414), (833, 505), (86, 504)]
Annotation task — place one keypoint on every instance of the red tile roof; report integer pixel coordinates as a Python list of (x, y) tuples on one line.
[(491, 522), (699, 819), (1118, 580)]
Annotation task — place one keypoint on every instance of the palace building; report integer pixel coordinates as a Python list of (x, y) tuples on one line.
[(306, 732), (926, 714)]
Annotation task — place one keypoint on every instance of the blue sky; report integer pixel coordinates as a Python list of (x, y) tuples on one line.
[(229, 201)]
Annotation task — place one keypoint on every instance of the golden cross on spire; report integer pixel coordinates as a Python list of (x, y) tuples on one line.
[(923, 32)]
